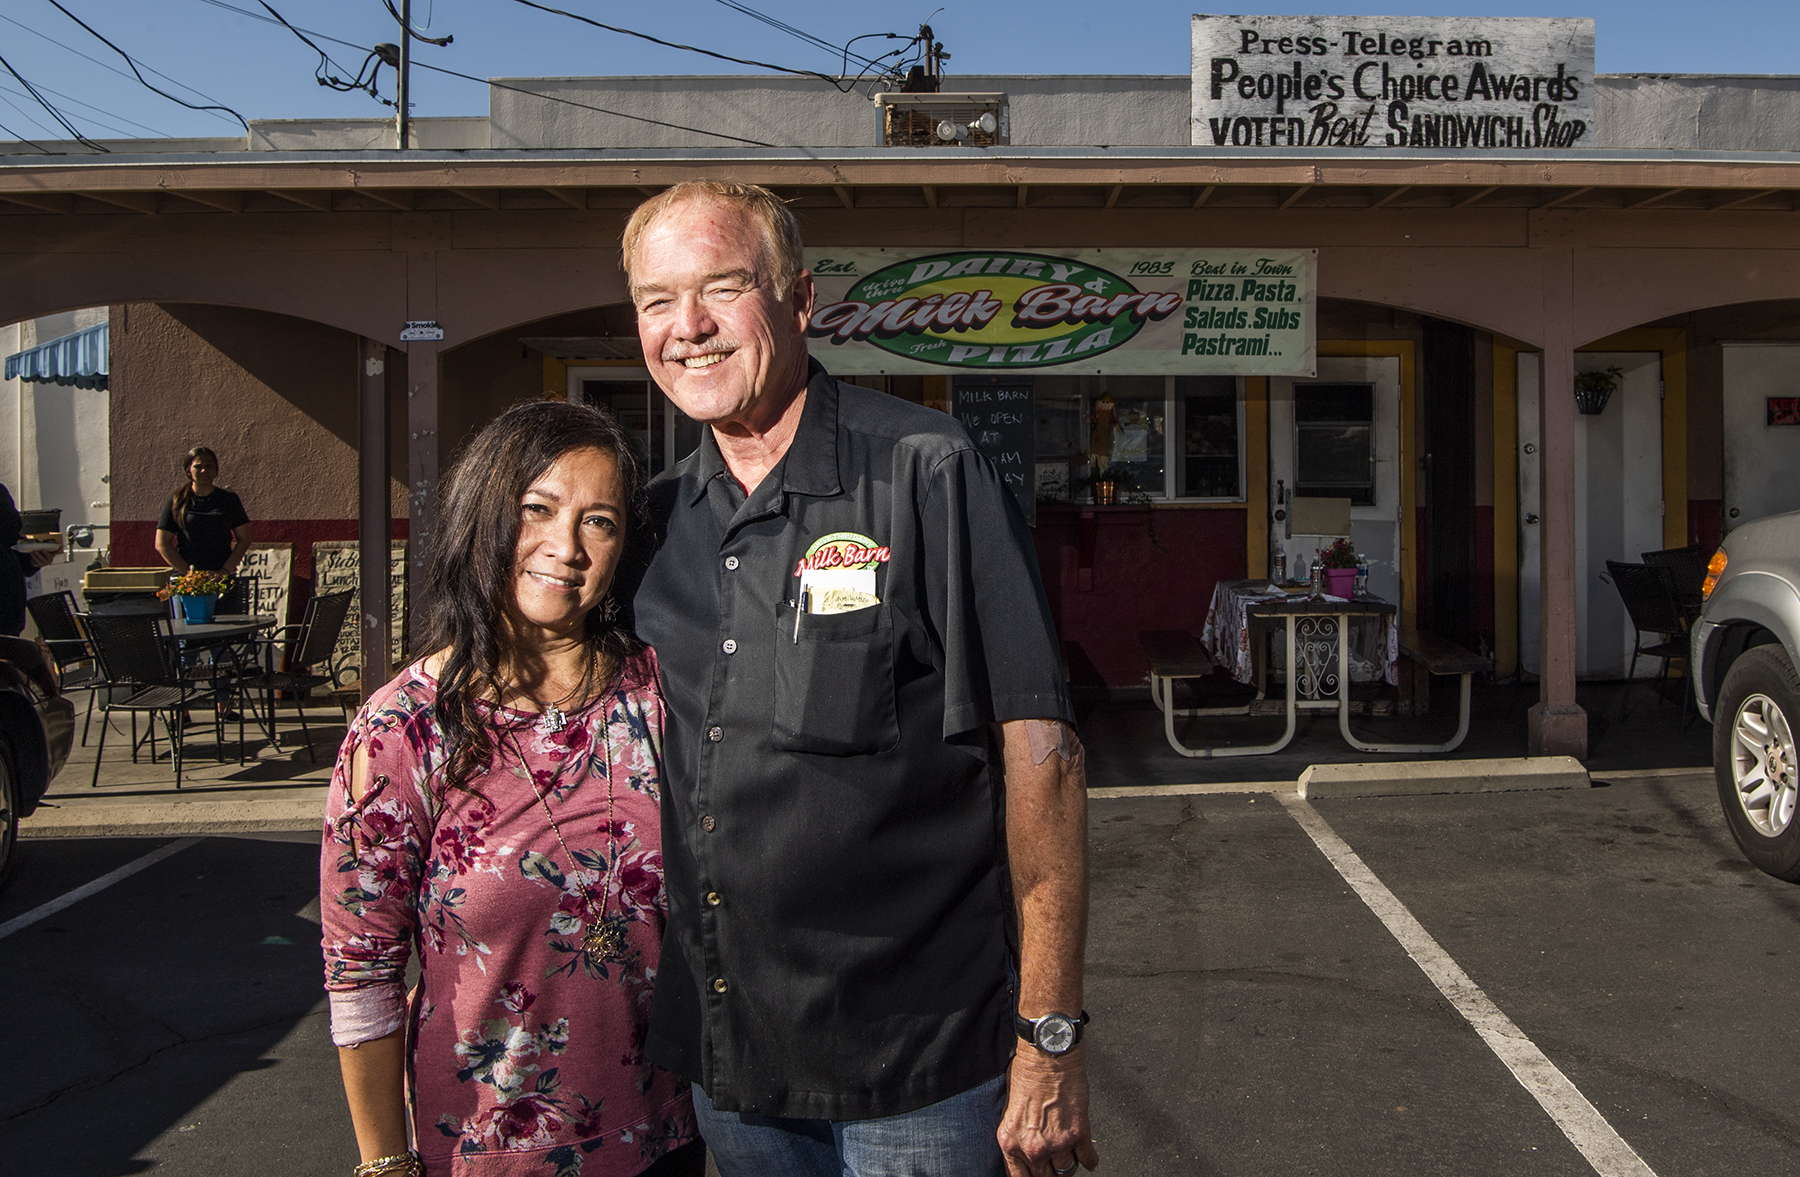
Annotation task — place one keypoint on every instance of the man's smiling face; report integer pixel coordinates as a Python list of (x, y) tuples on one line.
[(726, 346)]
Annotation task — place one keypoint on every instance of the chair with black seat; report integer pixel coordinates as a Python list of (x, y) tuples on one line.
[(310, 653), (141, 662), (76, 667), (1688, 568), (1648, 591), (241, 598), (222, 665)]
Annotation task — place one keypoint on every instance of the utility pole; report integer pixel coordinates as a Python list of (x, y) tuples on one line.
[(403, 88)]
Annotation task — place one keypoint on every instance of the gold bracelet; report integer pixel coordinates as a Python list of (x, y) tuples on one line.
[(404, 1164)]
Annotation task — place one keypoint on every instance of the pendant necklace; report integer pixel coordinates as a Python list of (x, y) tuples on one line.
[(551, 717), (604, 938)]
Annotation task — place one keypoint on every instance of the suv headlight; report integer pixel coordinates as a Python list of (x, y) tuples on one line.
[(1715, 568)]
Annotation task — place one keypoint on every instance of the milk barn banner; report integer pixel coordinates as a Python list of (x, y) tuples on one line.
[(1239, 312), (1393, 81)]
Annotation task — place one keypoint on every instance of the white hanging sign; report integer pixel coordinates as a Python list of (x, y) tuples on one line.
[(1437, 82)]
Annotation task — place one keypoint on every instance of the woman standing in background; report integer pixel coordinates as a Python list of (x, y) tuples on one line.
[(203, 525)]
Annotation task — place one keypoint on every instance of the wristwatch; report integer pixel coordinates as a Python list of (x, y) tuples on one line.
[(1054, 1033)]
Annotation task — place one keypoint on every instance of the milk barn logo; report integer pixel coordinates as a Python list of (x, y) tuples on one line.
[(991, 310)]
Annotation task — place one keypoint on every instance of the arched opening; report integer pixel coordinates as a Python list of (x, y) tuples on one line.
[(1697, 425)]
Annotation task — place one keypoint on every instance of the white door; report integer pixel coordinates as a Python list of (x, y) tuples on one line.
[(1618, 508), (1375, 529), (1760, 458)]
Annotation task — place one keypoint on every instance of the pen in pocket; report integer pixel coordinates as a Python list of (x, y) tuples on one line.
[(799, 608)]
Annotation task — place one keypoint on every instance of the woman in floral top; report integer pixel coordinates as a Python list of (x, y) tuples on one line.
[(495, 809)]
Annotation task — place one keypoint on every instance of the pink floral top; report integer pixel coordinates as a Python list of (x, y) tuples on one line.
[(527, 1053)]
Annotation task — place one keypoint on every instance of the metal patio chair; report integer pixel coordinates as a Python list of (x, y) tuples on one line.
[(77, 669), (1687, 567), (317, 636), (242, 597), (140, 660), (1648, 591)]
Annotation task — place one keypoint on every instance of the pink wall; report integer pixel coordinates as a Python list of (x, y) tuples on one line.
[(1118, 580)]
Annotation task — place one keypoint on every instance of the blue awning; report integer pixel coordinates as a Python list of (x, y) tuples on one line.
[(82, 360)]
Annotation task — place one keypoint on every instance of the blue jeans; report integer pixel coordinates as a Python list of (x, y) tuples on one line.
[(951, 1138)]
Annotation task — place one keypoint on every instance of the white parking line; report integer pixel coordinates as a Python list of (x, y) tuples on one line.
[(1579, 1120), (44, 911)]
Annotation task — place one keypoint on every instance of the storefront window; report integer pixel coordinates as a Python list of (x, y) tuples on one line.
[(1334, 441), (1170, 437), (1208, 433)]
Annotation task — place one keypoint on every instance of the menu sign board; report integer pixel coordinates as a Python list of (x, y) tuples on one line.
[(1001, 418), (1445, 82), (1238, 312)]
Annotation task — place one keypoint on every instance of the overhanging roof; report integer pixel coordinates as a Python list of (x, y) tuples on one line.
[(889, 178)]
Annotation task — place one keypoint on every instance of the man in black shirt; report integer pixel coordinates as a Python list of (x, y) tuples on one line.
[(875, 805)]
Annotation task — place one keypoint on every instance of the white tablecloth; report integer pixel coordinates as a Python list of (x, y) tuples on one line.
[(1374, 640)]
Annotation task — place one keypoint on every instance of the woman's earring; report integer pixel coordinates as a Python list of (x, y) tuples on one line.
[(609, 608)]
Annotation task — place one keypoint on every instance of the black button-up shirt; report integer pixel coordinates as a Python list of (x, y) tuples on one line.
[(837, 945)]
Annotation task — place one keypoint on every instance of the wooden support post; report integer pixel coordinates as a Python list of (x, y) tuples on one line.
[(422, 383), (373, 516), (1557, 726)]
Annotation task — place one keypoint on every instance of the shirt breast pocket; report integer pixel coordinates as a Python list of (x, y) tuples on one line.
[(834, 683)]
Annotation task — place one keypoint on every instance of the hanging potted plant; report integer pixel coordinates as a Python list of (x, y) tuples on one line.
[(1339, 562), (1594, 389), (198, 594)]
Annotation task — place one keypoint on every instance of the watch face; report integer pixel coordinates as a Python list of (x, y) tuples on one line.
[(1055, 1034)]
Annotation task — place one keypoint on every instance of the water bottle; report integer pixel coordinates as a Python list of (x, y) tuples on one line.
[(1362, 576), (1280, 575)]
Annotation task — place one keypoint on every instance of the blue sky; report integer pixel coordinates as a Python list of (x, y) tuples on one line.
[(263, 71)]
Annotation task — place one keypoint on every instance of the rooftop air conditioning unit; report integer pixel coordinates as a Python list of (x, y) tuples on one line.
[(943, 120)]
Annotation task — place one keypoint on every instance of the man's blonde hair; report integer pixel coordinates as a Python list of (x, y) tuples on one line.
[(782, 251)]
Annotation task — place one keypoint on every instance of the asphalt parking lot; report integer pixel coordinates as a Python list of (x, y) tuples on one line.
[(1252, 1014)]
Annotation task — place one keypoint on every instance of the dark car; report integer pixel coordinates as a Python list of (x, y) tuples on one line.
[(37, 726), (1744, 654)]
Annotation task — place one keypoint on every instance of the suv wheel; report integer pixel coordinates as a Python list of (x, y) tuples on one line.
[(9, 817), (1755, 760)]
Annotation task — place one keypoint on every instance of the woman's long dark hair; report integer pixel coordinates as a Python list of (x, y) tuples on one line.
[(184, 493), (469, 567)]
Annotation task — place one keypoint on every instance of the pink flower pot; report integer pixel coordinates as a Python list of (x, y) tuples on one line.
[(1340, 582)]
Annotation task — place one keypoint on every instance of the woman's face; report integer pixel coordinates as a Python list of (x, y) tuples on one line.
[(203, 470), (571, 535)]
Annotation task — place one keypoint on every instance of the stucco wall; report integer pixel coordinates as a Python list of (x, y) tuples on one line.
[(1631, 111), (1124, 110), (274, 396), (1693, 111), (439, 134)]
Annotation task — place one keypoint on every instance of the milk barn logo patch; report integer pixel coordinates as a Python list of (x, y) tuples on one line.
[(841, 549), (992, 309)]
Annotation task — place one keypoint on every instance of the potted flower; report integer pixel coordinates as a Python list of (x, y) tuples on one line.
[(198, 592), (1339, 563)]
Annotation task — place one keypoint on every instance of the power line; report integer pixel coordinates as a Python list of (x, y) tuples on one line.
[(140, 77), (100, 111), (27, 117), (499, 85), (843, 51), (18, 138), (588, 20), (54, 113), (103, 65), (584, 106), (324, 76)]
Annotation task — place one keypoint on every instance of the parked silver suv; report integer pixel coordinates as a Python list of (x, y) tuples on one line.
[(1745, 647)]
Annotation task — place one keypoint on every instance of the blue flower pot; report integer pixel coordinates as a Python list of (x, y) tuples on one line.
[(198, 610)]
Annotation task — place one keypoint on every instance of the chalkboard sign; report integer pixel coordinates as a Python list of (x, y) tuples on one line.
[(1000, 416)]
